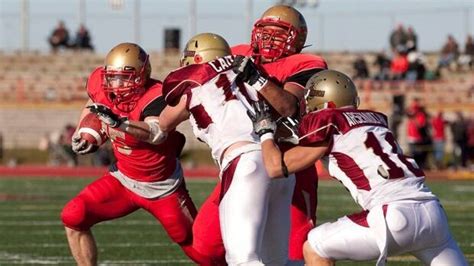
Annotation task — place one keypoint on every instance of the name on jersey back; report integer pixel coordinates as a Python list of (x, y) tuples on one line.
[(357, 118), (222, 64)]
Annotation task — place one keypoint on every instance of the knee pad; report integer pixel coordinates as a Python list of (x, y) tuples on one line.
[(73, 215)]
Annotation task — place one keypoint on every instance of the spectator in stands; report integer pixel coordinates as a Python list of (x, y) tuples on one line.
[(396, 118), (418, 133), (449, 53), (399, 65), (438, 125), (416, 67), (397, 115), (459, 132), (470, 143), (412, 40), (360, 68), (83, 39), (382, 62), (398, 38), (59, 37), (56, 151), (467, 58), (66, 136)]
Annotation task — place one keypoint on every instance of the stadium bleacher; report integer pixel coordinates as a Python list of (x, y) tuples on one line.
[(46, 91)]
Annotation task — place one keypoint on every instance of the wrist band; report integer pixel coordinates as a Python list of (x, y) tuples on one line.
[(266, 136)]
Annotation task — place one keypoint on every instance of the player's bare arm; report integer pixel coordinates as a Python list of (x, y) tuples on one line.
[(294, 89), (279, 164), (283, 101), (172, 116), (147, 130)]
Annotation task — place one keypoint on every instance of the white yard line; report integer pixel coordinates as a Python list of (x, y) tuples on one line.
[(105, 244), (58, 222), (144, 262), (10, 258)]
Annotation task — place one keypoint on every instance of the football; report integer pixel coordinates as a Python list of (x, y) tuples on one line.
[(91, 129)]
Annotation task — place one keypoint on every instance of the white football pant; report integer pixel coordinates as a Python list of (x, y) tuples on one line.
[(255, 214), (416, 227)]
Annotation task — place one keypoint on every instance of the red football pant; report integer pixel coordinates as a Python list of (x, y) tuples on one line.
[(303, 211), (106, 199), (206, 229)]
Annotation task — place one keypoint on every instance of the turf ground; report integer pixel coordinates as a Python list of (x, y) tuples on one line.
[(31, 232)]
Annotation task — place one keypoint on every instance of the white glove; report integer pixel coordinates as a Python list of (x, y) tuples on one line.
[(81, 146)]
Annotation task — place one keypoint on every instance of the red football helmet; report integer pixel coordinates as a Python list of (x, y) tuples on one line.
[(126, 71), (280, 32)]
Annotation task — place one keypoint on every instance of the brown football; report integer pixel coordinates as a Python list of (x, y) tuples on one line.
[(91, 129)]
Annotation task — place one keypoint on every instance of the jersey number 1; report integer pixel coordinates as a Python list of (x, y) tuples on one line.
[(394, 171)]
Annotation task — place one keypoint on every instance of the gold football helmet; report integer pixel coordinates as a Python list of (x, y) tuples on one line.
[(330, 88), (203, 48), (125, 73), (280, 32)]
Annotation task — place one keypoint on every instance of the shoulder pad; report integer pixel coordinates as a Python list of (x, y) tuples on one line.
[(286, 67), (242, 49), (180, 81)]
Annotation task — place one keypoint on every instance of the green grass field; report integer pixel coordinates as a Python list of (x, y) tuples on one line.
[(31, 231)]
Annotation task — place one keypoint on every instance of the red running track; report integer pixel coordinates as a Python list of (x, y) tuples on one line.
[(40, 171)]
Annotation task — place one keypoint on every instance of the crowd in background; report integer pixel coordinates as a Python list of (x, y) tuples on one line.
[(426, 133), (406, 62), (59, 38), (427, 139)]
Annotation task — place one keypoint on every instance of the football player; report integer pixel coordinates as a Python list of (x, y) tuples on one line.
[(253, 210), (401, 214), (147, 173), (277, 39)]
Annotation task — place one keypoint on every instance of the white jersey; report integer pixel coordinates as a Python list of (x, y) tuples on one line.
[(218, 117), (364, 156)]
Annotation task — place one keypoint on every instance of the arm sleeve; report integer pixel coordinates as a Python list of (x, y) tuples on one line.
[(155, 107), (302, 77)]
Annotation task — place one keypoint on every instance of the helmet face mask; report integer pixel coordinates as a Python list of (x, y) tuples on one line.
[(126, 71), (330, 89), (280, 32), (203, 48)]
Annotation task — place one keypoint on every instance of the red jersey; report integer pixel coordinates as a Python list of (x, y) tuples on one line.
[(414, 127), (438, 124), (399, 65), (137, 159), (296, 68)]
